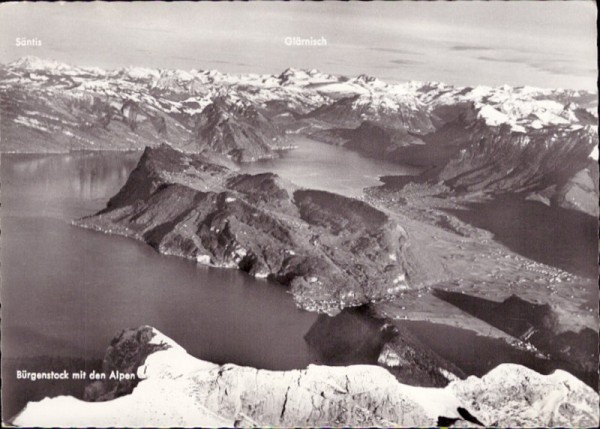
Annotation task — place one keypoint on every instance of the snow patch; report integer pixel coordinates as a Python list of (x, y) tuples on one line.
[(492, 116)]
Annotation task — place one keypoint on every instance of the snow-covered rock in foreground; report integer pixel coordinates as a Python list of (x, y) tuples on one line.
[(514, 396), (177, 389)]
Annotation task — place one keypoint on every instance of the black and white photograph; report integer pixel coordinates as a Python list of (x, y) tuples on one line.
[(299, 214)]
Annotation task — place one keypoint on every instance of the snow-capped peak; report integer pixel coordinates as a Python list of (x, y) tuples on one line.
[(492, 116), (369, 82), (140, 73), (292, 76), (31, 62)]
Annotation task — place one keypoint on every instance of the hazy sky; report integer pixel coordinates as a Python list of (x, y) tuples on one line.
[(548, 44)]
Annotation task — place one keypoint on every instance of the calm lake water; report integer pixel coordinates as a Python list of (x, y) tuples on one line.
[(477, 355), (68, 291), (559, 237), (316, 165)]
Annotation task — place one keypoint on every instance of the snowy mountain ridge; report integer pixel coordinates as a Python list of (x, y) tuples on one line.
[(520, 107), (205, 394)]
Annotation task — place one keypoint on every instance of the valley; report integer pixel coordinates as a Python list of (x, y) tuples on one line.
[(366, 217)]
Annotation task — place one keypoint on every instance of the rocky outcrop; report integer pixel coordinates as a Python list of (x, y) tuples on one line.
[(126, 353), (176, 389), (332, 251), (234, 126), (513, 396), (580, 191)]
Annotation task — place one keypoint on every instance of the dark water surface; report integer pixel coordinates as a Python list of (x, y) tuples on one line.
[(477, 355), (68, 291), (555, 236), (317, 165)]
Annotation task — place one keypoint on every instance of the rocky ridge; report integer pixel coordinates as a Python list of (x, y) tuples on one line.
[(332, 251), (234, 126), (205, 394)]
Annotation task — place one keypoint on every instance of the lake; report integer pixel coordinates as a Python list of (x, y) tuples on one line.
[(555, 236), (316, 165), (67, 291)]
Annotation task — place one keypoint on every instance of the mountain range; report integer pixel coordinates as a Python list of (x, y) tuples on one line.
[(416, 247), (538, 143)]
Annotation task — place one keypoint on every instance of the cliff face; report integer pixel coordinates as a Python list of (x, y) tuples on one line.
[(551, 163), (204, 394), (501, 160), (580, 191), (332, 251)]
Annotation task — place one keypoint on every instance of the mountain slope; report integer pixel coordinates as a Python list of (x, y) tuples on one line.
[(233, 126), (332, 251)]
